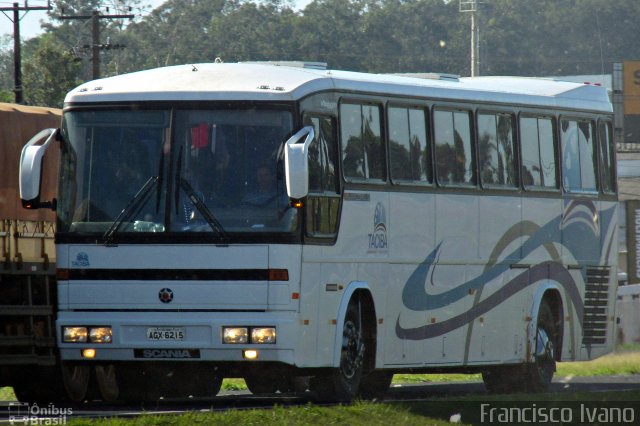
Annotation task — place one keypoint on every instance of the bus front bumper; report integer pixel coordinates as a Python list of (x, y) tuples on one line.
[(178, 336)]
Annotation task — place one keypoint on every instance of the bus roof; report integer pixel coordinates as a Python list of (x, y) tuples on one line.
[(272, 82)]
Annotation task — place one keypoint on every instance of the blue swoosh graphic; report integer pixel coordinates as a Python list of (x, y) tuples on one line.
[(539, 272), (566, 227)]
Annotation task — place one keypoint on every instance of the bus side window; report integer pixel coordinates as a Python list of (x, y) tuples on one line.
[(409, 146), (454, 153), (578, 155), (323, 202), (363, 155), (607, 163), (497, 150), (538, 152)]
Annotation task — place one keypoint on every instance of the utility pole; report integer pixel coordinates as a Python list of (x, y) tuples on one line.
[(471, 6), (17, 53), (96, 47)]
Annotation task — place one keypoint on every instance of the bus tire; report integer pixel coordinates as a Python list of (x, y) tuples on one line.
[(502, 379), (107, 382), (540, 372), (375, 384), (206, 382), (297, 384), (76, 380), (343, 383), (261, 385), (535, 376)]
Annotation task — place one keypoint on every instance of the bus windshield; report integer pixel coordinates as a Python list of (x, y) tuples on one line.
[(216, 171)]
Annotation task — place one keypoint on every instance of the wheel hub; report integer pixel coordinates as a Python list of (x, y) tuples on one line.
[(352, 350)]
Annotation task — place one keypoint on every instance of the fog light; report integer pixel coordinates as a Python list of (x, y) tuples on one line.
[(74, 334), (100, 335), (88, 353), (235, 335), (263, 335), (250, 354)]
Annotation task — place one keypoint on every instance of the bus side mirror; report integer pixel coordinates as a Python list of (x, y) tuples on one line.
[(297, 163), (31, 170)]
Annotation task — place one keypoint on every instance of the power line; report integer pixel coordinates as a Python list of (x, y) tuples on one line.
[(96, 47)]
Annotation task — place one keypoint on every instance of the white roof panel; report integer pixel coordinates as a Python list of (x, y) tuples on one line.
[(252, 81)]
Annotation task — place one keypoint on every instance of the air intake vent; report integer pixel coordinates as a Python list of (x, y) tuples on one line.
[(293, 64), (431, 76), (596, 307)]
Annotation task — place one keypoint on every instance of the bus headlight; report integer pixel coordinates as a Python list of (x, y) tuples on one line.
[(235, 335), (100, 335), (263, 335), (74, 334)]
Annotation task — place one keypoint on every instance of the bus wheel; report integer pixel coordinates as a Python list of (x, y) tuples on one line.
[(107, 383), (343, 383), (297, 384), (76, 380), (375, 384), (260, 385), (203, 381), (540, 372), (502, 379)]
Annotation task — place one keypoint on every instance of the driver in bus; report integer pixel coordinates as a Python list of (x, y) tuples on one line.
[(264, 190)]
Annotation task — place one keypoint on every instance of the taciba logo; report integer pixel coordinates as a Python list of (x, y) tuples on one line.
[(378, 239)]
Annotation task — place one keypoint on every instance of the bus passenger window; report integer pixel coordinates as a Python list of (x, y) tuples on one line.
[(454, 154), (538, 151), (323, 202), (362, 146), (322, 155), (496, 150), (607, 161), (408, 145), (578, 156)]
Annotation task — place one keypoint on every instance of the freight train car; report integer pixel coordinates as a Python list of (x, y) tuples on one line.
[(28, 357)]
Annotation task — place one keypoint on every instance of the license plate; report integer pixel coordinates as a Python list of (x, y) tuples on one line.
[(165, 333)]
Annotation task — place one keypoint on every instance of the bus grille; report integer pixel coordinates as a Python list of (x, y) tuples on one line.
[(596, 305)]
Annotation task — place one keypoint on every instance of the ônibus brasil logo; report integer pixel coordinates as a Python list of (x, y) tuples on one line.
[(378, 239)]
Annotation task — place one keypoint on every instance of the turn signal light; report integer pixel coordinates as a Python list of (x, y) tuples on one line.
[(278, 275)]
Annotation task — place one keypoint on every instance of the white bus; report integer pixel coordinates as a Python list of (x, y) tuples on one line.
[(279, 222)]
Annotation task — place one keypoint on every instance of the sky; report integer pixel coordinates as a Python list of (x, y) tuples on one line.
[(30, 22)]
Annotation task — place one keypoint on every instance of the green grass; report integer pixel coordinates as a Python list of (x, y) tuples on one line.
[(619, 363), (6, 394), (434, 411), (625, 361), (357, 414)]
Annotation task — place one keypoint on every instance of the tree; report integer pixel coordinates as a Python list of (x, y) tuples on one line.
[(548, 37), (258, 32), (49, 73)]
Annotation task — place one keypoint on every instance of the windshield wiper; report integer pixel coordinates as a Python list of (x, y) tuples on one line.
[(202, 208), (132, 208)]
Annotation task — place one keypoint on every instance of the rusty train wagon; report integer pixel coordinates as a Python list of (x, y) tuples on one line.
[(28, 356)]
